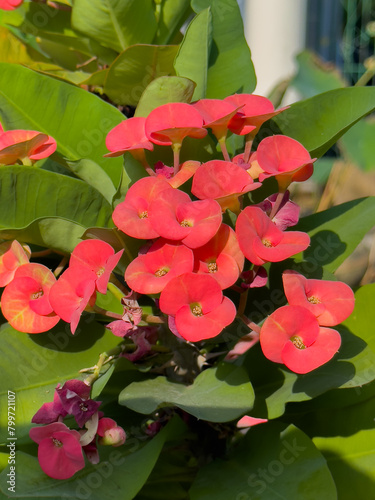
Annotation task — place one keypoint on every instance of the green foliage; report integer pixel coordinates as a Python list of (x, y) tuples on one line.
[(270, 463), (320, 121), (217, 394)]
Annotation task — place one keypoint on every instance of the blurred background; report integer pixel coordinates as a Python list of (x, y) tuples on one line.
[(301, 48)]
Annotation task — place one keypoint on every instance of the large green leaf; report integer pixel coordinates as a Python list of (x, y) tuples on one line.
[(122, 471), (217, 394), (230, 67), (348, 445), (115, 23), (77, 119), (32, 365), (192, 59), (135, 68), (163, 90), (59, 208), (336, 232), (267, 465), (320, 121), (171, 15)]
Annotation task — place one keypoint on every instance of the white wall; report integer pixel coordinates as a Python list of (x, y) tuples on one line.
[(275, 31)]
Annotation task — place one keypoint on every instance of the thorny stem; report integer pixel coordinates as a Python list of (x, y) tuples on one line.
[(176, 157), (61, 266), (277, 204), (108, 314), (242, 304), (249, 143), (253, 326), (224, 149), (42, 253), (149, 318)]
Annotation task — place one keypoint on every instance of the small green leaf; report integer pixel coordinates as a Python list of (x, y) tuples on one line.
[(314, 76), (135, 68), (163, 90), (192, 60), (94, 176), (217, 394), (358, 144), (267, 465)]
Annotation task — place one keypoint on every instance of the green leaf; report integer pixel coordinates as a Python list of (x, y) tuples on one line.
[(13, 50), (135, 68), (192, 59), (32, 101), (60, 208), (217, 394), (230, 67), (358, 144), (172, 15), (336, 232), (94, 176), (267, 465), (124, 469), (314, 76), (115, 23), (163, 90), (351, 459), (320, 121), (32, 365)]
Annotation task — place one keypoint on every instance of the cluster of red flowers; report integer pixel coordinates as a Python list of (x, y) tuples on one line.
[(33, 301), (192, 256), (60, 451), (188, 260)]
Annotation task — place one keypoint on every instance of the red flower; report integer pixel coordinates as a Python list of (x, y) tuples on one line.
[(128, 135), (175, 217), (25, 146), (25, 301), (288, 213), (71, 293), (9, 5), (131, 216), (254, 112), (170, 123), (223, 181), (261, 241), (198, 306), (12, 256), (330, 301), (150, 272), (216, 114), (96, 256), (60, 452), (285, 158), (221, 257), (292, 335)]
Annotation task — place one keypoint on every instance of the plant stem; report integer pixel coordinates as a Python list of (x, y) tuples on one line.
[(61, 266), (277, 204), (224, 150), (253, 326)]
